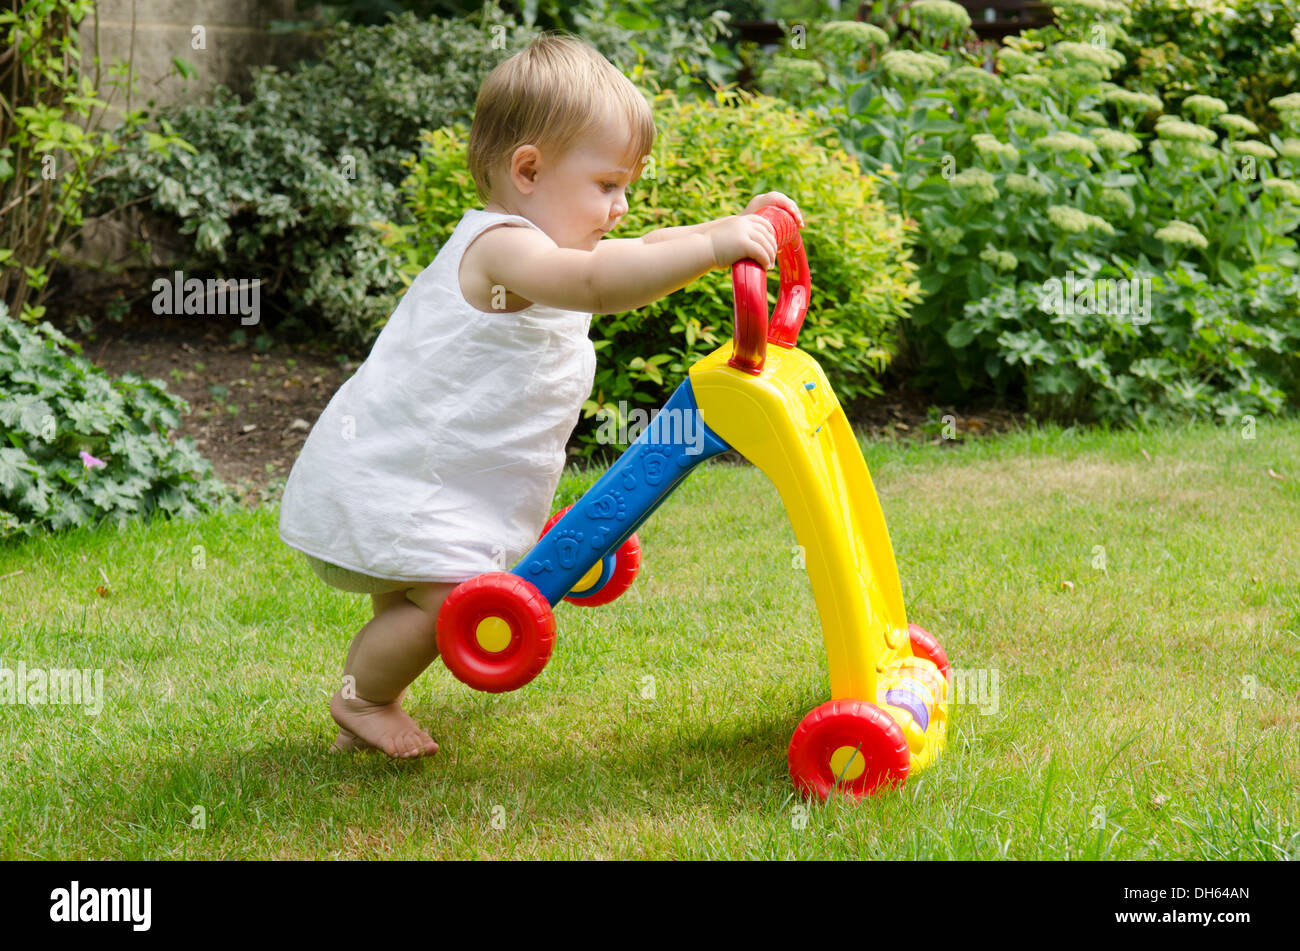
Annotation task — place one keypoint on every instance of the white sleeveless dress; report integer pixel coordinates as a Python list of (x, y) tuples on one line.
[(439, 458)]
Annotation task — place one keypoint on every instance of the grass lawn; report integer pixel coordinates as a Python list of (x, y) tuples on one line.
[(1151, 711)]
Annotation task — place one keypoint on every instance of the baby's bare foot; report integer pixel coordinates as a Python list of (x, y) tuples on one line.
[(349, 742), (385, 726)]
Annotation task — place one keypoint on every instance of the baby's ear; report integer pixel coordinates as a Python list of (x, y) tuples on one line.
[(523, 167)]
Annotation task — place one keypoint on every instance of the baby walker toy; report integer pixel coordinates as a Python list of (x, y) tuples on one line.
[(772, 404)]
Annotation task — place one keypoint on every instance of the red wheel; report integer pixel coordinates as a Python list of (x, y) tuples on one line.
[(925, 645), (495, 632), (627, 562), (848, 745)]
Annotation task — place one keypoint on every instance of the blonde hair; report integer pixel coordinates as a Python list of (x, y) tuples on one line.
[(551, 95)]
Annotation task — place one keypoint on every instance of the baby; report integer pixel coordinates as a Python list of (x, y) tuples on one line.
[(439, 458)]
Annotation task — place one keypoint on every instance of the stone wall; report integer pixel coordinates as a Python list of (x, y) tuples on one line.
[(233, 34), (234, 37)]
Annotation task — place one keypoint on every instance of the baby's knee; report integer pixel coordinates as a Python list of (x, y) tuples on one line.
[(428, 597)]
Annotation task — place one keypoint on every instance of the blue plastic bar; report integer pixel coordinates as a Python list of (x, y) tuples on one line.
[(675, 442)]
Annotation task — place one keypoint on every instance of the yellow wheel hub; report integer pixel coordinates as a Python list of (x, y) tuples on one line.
[(847, 764), (493, 634), (590, 578)]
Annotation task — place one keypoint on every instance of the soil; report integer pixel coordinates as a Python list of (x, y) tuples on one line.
[(901, 413), (251, 410)]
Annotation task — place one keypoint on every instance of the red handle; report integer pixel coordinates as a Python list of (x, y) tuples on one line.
[(749, 284)]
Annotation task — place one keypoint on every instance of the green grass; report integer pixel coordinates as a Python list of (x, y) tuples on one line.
[(1123, 727)]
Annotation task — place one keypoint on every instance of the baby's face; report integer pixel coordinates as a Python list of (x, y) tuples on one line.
[(583, 196)]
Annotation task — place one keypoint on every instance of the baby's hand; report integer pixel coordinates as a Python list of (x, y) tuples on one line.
[(742, 236), (775, 198)]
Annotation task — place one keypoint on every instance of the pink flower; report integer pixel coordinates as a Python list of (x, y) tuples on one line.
[(90, 462)]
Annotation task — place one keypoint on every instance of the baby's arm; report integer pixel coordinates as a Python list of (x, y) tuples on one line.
[(623, 273), (669, 234), (760, 201)]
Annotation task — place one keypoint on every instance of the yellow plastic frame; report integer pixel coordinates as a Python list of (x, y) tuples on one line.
[(800, 438)]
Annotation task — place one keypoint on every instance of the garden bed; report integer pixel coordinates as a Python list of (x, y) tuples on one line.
[(251, 411)]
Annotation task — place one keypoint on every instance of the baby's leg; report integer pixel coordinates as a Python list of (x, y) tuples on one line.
[(386, 656)]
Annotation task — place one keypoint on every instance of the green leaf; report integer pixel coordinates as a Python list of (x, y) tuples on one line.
[(15, 470), (1231, 273), (960, 334)]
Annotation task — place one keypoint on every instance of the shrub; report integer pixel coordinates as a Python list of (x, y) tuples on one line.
[(709, 159), (294, 179), (79, 447), (1019, 177), (261, 198), (544, 14), (378, 12), (1214, 351), (1245, 52)]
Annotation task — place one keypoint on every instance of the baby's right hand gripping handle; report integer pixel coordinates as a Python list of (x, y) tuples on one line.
[(749, 284)]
